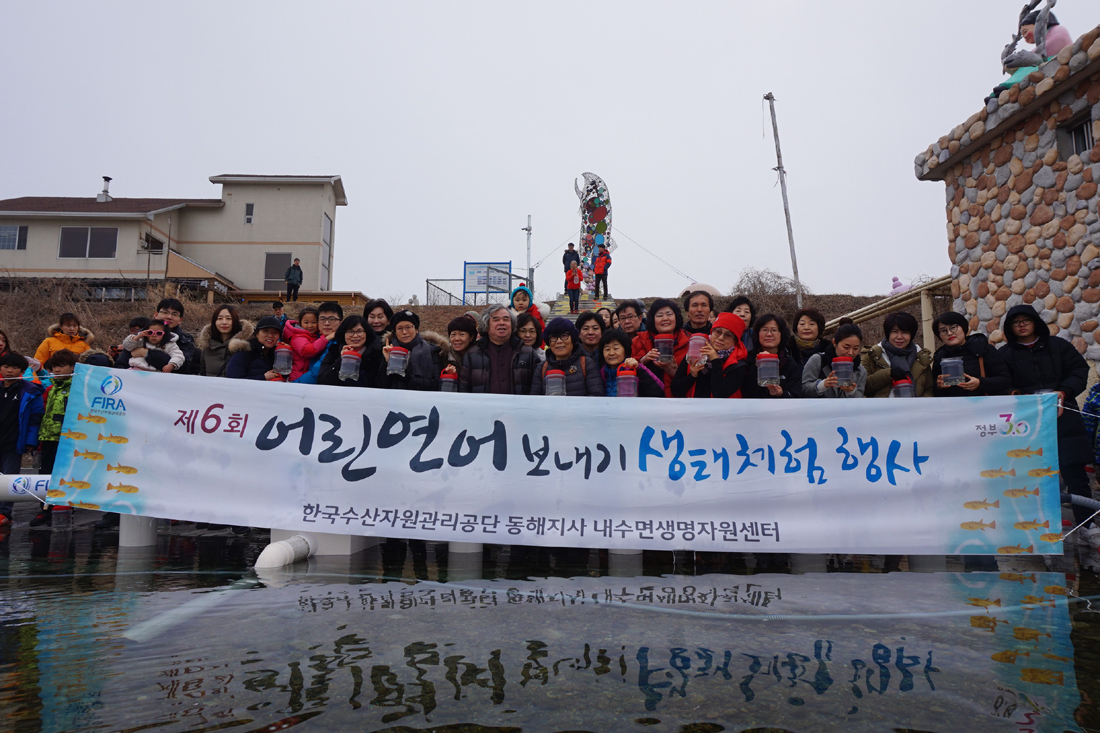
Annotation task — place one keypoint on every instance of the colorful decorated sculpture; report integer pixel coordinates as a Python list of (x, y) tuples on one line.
[(595, 223)]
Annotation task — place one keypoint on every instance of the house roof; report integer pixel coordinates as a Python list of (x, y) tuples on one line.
[(120, 208), (337, 183)]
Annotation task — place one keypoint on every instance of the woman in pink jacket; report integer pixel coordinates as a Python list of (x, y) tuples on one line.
[(305, 341)]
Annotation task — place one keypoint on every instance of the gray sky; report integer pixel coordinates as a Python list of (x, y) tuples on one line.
[(451, 122)]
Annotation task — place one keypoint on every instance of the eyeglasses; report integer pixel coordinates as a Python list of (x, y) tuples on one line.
[(328, 319), (170, 314), (156, 333), (558, 337), (354, 331), (1020, 322), (950, 329), (625, 317)]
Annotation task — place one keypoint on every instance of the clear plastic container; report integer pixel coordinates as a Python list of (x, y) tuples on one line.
[(695, 346), (665, 345), (283, 360), (448, 382), (349, 365), (903, 388), (953, 373), (61, 517), (767, 370), (626, 382), (845, 371), (555, 382), (399, 359)]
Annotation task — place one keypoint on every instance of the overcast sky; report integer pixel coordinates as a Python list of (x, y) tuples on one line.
[(451, 122)]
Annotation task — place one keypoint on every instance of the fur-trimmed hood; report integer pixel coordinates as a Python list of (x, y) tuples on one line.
[(88, 355), (203, 339), (54, 331), (447, 355)]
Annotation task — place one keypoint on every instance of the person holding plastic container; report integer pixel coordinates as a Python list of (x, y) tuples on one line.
[(305, 340), (966, 366), (255, 358), (357, 357), (722, 365), (622, 375), (411, 362), (664, 344), (837, 372), (773, 372), (897, 359), (566, 371)]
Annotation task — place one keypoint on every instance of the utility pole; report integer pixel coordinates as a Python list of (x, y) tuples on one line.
[(530, 273), (786, 206)]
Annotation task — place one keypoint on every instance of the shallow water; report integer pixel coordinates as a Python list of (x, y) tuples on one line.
[(406, 636)]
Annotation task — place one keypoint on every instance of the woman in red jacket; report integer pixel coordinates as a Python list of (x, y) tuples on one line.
[(723, 371), (664, 321)]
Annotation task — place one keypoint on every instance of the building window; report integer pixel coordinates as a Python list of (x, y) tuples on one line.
[(95, 243), (326, 230), (275, 266), (1075, 137), (152, 245), (13, 237), (249, 212)]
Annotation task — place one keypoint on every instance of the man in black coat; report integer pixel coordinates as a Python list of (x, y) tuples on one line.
[(571, 255), (1038, 363)]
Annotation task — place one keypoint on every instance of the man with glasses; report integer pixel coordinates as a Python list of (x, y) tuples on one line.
[(498, 362), (1038, 363), (629, 314)]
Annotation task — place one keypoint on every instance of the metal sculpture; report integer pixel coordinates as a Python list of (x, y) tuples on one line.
[(595, 214)]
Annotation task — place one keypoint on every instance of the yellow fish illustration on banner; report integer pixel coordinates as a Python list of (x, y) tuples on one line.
[(123, 488), (89, 454), (117, 439), (1042, 676), (96, 419), (83, 505), (73, 435), (75, 484), (1025, 634), (1009, 657), (1051, 537), (1055, 590), (122, 469), (1018, 578), (1033, 524), (1017, 550), (986, 622), (1021, 493), (54, 493), (1057, 658), (983, 602), (1042, 472), (979, 525), (998, 473), (983, 504), (1036, 601), (1024, 453)]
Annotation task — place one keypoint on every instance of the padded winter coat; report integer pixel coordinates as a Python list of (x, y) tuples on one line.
[(56, 341), (582, 375), (474, 374), (214, 355)]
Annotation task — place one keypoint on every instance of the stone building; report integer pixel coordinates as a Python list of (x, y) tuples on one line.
[(1021, 177)]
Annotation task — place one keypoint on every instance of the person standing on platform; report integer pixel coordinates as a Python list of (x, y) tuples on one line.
[(1039, 362), (571, 255), (600, 268), (293, 277), (573, 287)]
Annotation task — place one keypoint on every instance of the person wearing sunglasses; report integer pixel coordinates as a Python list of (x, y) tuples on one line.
[(983, 366), (154, 349)]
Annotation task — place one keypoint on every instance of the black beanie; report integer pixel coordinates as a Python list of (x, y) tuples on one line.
[(405, 315)]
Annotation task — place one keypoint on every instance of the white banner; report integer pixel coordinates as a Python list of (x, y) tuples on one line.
[(922, 476)]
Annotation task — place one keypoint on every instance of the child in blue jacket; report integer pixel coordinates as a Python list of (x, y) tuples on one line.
[(21, 409)]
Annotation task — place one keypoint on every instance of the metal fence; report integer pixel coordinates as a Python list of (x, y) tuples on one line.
[(438, 294)]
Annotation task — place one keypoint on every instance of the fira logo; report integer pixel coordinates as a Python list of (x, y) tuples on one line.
[(20, 484), (108, 403), (111, 386)]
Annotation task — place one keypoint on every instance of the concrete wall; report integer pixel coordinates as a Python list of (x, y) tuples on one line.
[(40, 258), (287, 218)]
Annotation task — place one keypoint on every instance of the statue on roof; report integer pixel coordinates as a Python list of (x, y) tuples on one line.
[(1040, 27)]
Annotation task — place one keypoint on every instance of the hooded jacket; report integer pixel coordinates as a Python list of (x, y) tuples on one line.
[(56, 340), (976, 353), (293, 275), (213, 354), (582, 375), (304, 348), (1050, 363), (643, 344), (56, 399), (879, 381), (249, 359), (474, 375), (421, 371)]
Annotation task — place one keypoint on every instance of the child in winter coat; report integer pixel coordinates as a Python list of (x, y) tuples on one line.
[(149, 348), (20, 416), (67, 333), (524, 302), (60, 366)]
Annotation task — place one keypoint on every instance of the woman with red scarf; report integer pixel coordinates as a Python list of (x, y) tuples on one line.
[(723, 370), (664, 321)]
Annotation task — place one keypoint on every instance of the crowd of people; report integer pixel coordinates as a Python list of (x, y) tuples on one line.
[(670, 349)]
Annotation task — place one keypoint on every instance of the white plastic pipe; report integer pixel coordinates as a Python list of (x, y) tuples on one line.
[(23, 487), (286, 552)]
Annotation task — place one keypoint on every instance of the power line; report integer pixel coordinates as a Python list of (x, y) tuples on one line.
[(674, 269), (572, 234)]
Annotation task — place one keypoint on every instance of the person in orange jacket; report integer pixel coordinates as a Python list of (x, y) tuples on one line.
[(600, 268), (67, 333), (573, 287)]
